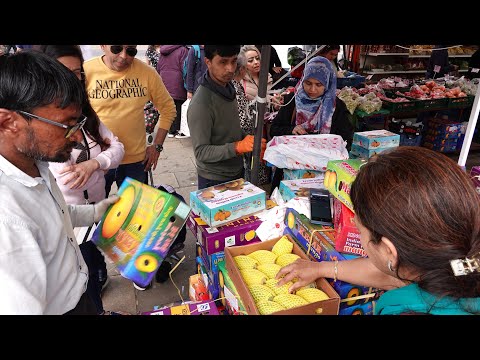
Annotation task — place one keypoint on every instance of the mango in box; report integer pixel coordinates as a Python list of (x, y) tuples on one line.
[(223, 203), (339, 178), (376, 139)]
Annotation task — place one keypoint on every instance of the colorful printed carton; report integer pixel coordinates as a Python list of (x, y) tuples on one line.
[(223, 203), (364, 153), (137, 231), (339, 178), (228, 293), (360, 309), (206, 307), (299, 188), (237, 232), (347, 236), (376, 139), (475, 175), (322, 248), (302, 174)]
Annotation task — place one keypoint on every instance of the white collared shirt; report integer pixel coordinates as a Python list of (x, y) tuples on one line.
[(42, 270)]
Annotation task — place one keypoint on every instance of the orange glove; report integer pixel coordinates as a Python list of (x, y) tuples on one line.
[(245, 145), (262, 151)]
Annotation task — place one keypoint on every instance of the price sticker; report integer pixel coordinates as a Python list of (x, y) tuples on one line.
[(475, 70), (369, 77), (437, 68), (203, 307)]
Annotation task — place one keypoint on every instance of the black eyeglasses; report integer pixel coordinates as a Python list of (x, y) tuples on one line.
[(117, 49), (70, 129)]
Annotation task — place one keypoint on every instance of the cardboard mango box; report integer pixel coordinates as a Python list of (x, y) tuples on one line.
[(376, 139), (210, 261), (206, 307), (322, 248), (208, 279), (137, 231), (360, 309), (237, 232), (299, 188), (475, 175), (228, 293), (339, 178), (325, 307), (223, 203), (289, 174), (347, 236), (363, 153)]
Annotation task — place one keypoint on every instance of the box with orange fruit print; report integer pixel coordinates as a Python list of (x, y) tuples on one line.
[(138, 230), (339, 178), (223, 203), (289, 174)]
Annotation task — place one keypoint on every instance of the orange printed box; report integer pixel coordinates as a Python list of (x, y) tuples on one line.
[(223, 203)]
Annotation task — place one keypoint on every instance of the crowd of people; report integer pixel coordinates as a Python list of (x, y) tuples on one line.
[(70, 128)]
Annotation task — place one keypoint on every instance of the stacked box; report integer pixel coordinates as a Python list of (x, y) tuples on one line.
[(289, 174), (228, 293), (208, 279), (339, 178), (322, 249), (206, 307), (210, 262), (347, 236), (360, 309), (375, 139), (299, 188), (475, 175), (237, 232), (223, 203), (325, 307), (443, 135), (363, 153)]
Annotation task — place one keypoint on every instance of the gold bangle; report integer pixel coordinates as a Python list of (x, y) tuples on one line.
[(335, 270)]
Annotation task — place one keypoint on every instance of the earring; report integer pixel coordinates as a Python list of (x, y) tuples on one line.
[(390, 266)]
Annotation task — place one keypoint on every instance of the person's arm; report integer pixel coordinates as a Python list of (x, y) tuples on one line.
[(358, 271), (111, 157), (282, 123), (162, 100)]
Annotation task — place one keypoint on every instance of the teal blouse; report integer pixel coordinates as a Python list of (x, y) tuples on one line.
[(411, 298)]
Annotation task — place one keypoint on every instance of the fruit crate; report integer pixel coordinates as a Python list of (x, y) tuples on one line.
[(374, 121), (399, 107), (429, 103), (461, 102)]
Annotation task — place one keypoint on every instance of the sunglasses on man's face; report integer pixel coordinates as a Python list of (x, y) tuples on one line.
[(117, 49)]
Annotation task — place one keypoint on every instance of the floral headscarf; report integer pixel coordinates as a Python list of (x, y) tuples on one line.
[(315, 115)]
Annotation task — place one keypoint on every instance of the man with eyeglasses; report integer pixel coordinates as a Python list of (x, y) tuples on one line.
[(42, 270), (118, 86)]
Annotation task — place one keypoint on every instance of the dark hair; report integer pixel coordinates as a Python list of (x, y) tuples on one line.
[(426, 205), (93, 122), (221, 50), (29, 79), (328, 48)]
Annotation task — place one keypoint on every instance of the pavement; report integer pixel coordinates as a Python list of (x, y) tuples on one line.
[(176, 167)]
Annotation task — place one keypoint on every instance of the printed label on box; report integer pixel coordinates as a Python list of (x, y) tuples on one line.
[(230, 241)]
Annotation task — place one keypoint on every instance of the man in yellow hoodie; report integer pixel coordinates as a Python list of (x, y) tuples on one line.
[(118, 86)]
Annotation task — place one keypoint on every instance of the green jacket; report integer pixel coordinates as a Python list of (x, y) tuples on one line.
[(412, 299), (214, 128)]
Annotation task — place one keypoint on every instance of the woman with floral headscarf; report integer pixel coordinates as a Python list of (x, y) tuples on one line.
[(315, 109)]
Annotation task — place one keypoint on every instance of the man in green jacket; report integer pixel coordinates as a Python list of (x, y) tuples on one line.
[(218, 140)]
